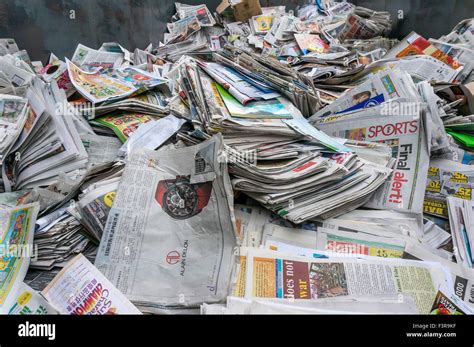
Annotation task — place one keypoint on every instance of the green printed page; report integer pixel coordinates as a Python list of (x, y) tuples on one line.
[(123, 125), (465, 139)]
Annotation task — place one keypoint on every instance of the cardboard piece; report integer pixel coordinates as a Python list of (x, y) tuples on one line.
[(242, 10)]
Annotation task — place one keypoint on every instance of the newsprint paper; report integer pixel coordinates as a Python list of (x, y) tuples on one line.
[(169, 238), (80, 289), (280, 275), (404, 134)]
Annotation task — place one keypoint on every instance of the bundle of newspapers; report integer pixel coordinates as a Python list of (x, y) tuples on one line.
[(258, 160)]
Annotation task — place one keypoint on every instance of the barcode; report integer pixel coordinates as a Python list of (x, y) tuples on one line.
[(111, 234)]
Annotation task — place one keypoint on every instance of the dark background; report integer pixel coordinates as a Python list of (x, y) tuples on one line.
[(44, 26)]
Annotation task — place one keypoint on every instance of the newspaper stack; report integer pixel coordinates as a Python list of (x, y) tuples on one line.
[(276, 75), (13, 118), (187, 34), (152, 103), (94, 205), (462, 229), (445, 59), (393, 88), (457, 103), (317, 186), (372, 234), (48, 145), (336, 276), (59, 242), (364, 23)]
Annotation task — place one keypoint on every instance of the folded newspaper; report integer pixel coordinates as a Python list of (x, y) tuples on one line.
[(178, 236), (80, 289)]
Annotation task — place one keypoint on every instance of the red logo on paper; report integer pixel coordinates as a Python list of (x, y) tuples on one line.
[(304, 166), (173, 257)]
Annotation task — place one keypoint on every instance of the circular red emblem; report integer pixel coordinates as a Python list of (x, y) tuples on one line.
[(173, 257)]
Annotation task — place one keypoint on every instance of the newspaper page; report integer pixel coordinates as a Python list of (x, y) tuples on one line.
[(427, 68), (380, 304), (434, 236), (16, 234), (359, 243), (56, 70), (303, 127), (404, 134), (462, 278), (261, 24), (30, 302), (182, 29), (242, 220), (447, 303), (293, 236), (124, 124), (279, 275), (415, 44), (447, 178), (461, 53), (100, 86), (152, 134), (8, 46), (89, 58), (14, 71), (169, 237), (420, 68), (96, 86), (382, 223), (358, 27), (381, 87), (80, 289), (100, 149), (464, 286), (311, 43), (202, 13), (94, 206), (280, 29), (434, 124), (239, 86)]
